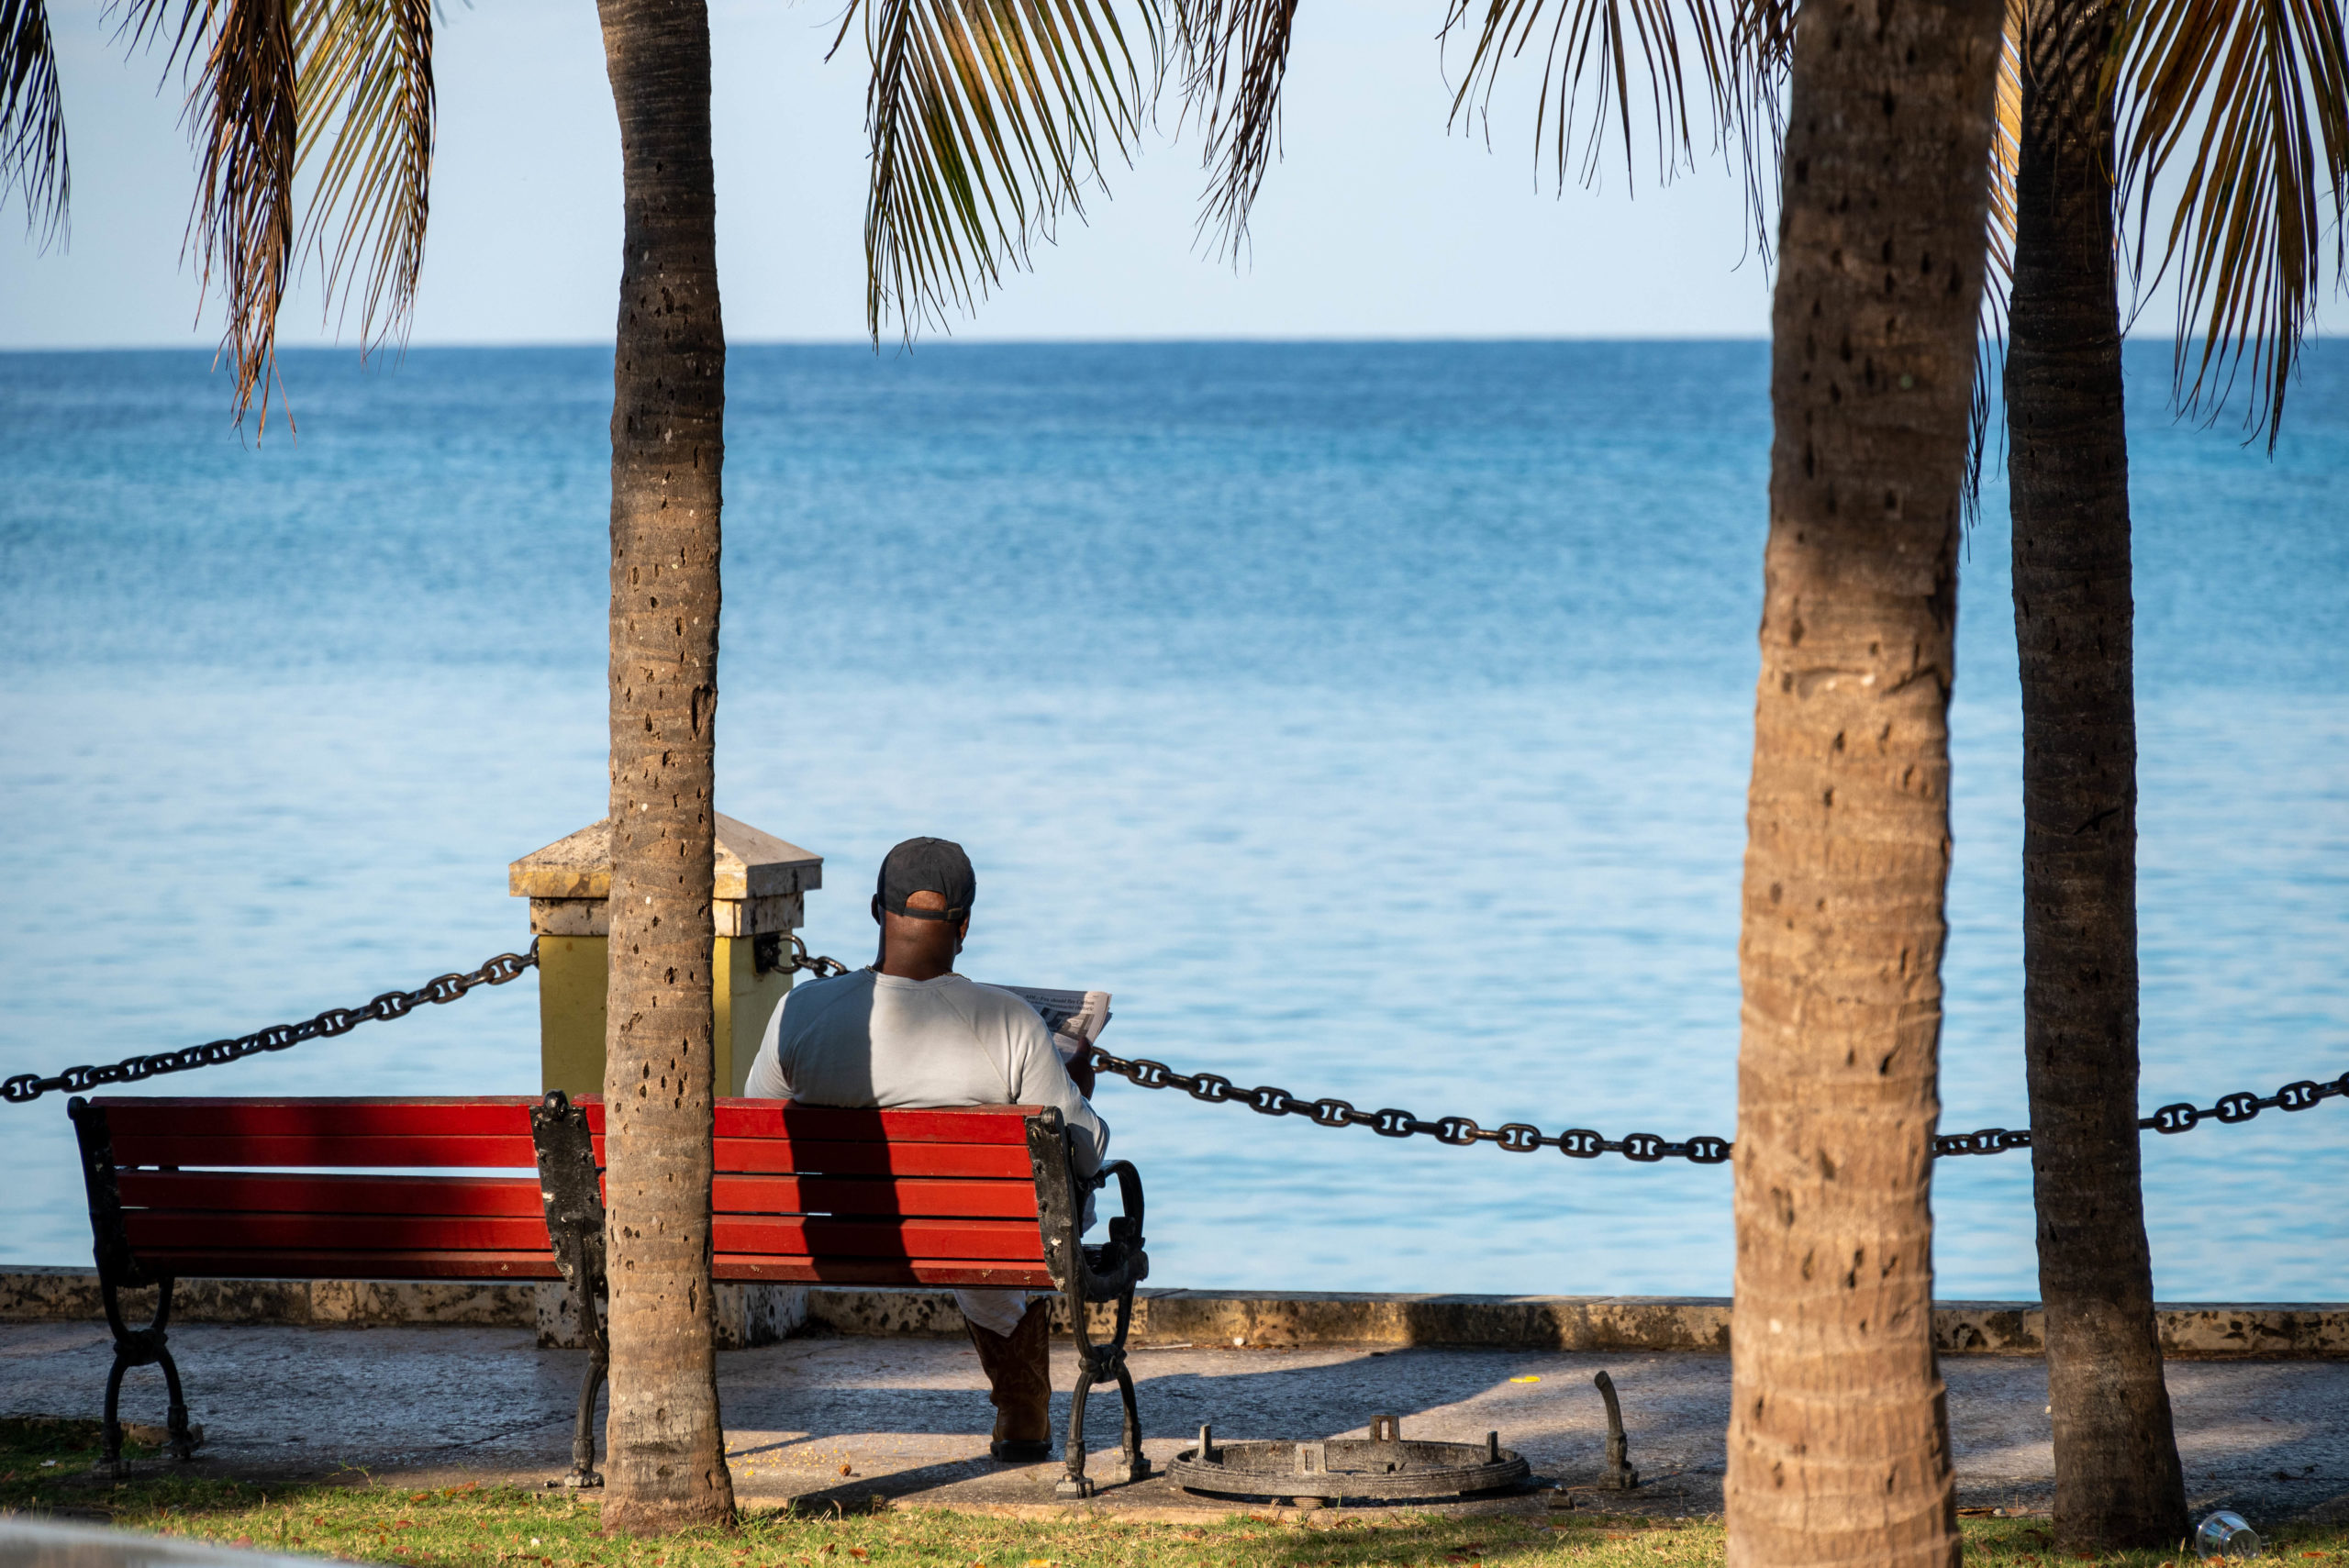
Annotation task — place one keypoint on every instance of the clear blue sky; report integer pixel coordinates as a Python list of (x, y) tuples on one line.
[(1377, 224)]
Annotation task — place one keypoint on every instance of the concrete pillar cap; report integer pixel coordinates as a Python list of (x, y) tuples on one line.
[(759, 884)]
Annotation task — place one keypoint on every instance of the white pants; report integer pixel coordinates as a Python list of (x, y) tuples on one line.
[(996, 1311)]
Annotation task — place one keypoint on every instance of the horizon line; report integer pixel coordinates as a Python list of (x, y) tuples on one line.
[(948, 341)]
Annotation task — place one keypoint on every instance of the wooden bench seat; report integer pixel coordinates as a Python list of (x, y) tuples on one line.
[(510, 1188)]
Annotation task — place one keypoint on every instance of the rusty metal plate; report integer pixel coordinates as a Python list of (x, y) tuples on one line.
[(1383, 1466)]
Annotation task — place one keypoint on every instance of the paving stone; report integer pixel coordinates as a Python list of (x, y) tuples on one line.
[(907, 1416)]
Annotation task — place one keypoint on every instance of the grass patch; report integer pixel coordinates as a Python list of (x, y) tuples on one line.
[(48, 1471)]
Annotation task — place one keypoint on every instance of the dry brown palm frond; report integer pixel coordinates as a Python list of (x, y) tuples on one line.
[(243, 226), (1235, 62), (987, 119), (244, 111), (2268, 83), (1589, 49), (1761, 55), (367, 110), (32, 119)]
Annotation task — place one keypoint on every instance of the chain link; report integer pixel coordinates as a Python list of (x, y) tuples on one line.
[(334, 1021), (768, 950), (1641, 1148)]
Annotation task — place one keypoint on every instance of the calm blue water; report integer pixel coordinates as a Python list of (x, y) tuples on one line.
[(1371, 720)]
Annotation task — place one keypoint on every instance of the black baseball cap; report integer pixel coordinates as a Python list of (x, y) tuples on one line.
[(927, 865)]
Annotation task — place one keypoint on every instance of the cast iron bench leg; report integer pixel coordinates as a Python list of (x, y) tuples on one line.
[(1137, 1465), (582, 1436), (142, 1347), (1073, 1482), (574, 1210)]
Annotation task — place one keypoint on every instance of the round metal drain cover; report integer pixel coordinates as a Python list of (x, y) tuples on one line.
[(1381, 1466)]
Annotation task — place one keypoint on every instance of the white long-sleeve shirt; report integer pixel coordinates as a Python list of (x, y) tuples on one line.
[(865, 1039)]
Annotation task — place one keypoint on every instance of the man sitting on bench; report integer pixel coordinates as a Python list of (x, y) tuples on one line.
[(909, 1031)]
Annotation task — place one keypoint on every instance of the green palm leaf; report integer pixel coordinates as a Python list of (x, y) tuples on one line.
[(987, 118), (1589, 49), (282, 86), (368, 117), (2267, 83), (32, 118)]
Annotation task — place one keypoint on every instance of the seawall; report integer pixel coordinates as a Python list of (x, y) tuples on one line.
[(753, 1314)]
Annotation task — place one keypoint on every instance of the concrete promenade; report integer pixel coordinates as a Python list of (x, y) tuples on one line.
[(829, 1417)]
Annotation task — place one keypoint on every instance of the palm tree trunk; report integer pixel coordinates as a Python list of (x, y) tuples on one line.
[(666, 1467), (2117, 1478), (1838, 1443)]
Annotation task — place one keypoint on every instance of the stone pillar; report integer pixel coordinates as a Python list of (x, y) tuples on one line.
[(758, 899)]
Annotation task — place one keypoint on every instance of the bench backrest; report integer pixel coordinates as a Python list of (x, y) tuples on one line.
[(808, 1192), (801, 1194), (192, 1203)]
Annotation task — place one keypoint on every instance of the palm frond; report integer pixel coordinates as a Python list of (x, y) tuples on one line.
[(243, 225), (2268, 83), (1589, 47), (987, 118), (1761, 56), (367, 114), (244, 111), (1236, 62), (1998, 270), (32, 118)]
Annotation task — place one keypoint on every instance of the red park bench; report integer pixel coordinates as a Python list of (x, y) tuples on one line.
[(266, 1188)]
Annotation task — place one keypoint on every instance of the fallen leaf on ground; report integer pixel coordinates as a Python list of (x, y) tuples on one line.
[(1530, 1379)]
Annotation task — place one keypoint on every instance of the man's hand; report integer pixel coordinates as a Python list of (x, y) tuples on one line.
[(1080, 1072)]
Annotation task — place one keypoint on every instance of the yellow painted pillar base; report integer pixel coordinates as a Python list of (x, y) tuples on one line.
[(574, 973)]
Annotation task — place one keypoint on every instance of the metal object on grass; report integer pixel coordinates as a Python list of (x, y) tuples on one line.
[(1382, 1466), (2225, 1534), (1620, 1476)]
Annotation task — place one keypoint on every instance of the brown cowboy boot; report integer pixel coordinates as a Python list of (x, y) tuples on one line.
[(1019, 1384)]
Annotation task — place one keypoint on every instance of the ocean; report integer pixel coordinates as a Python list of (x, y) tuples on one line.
[(1371, 720)]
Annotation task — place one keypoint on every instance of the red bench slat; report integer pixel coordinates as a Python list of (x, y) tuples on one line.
[(994, 1239), (198, 1152), (830, 1194), (264, 1263), (250, 1192), (773, 1156), (780, 1118), (777, 1156), (738, 1268), (492, 1115), (960, 1124), (175, 1230)]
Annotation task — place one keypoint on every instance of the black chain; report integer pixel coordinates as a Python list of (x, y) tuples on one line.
[(1646, 1148), (2239, 1107), (1516, 1136), (497, 971), (768, 950), (1459, 1131), (506, 966)]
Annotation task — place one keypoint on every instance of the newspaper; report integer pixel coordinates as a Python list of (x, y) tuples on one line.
[(1075, 1018)]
